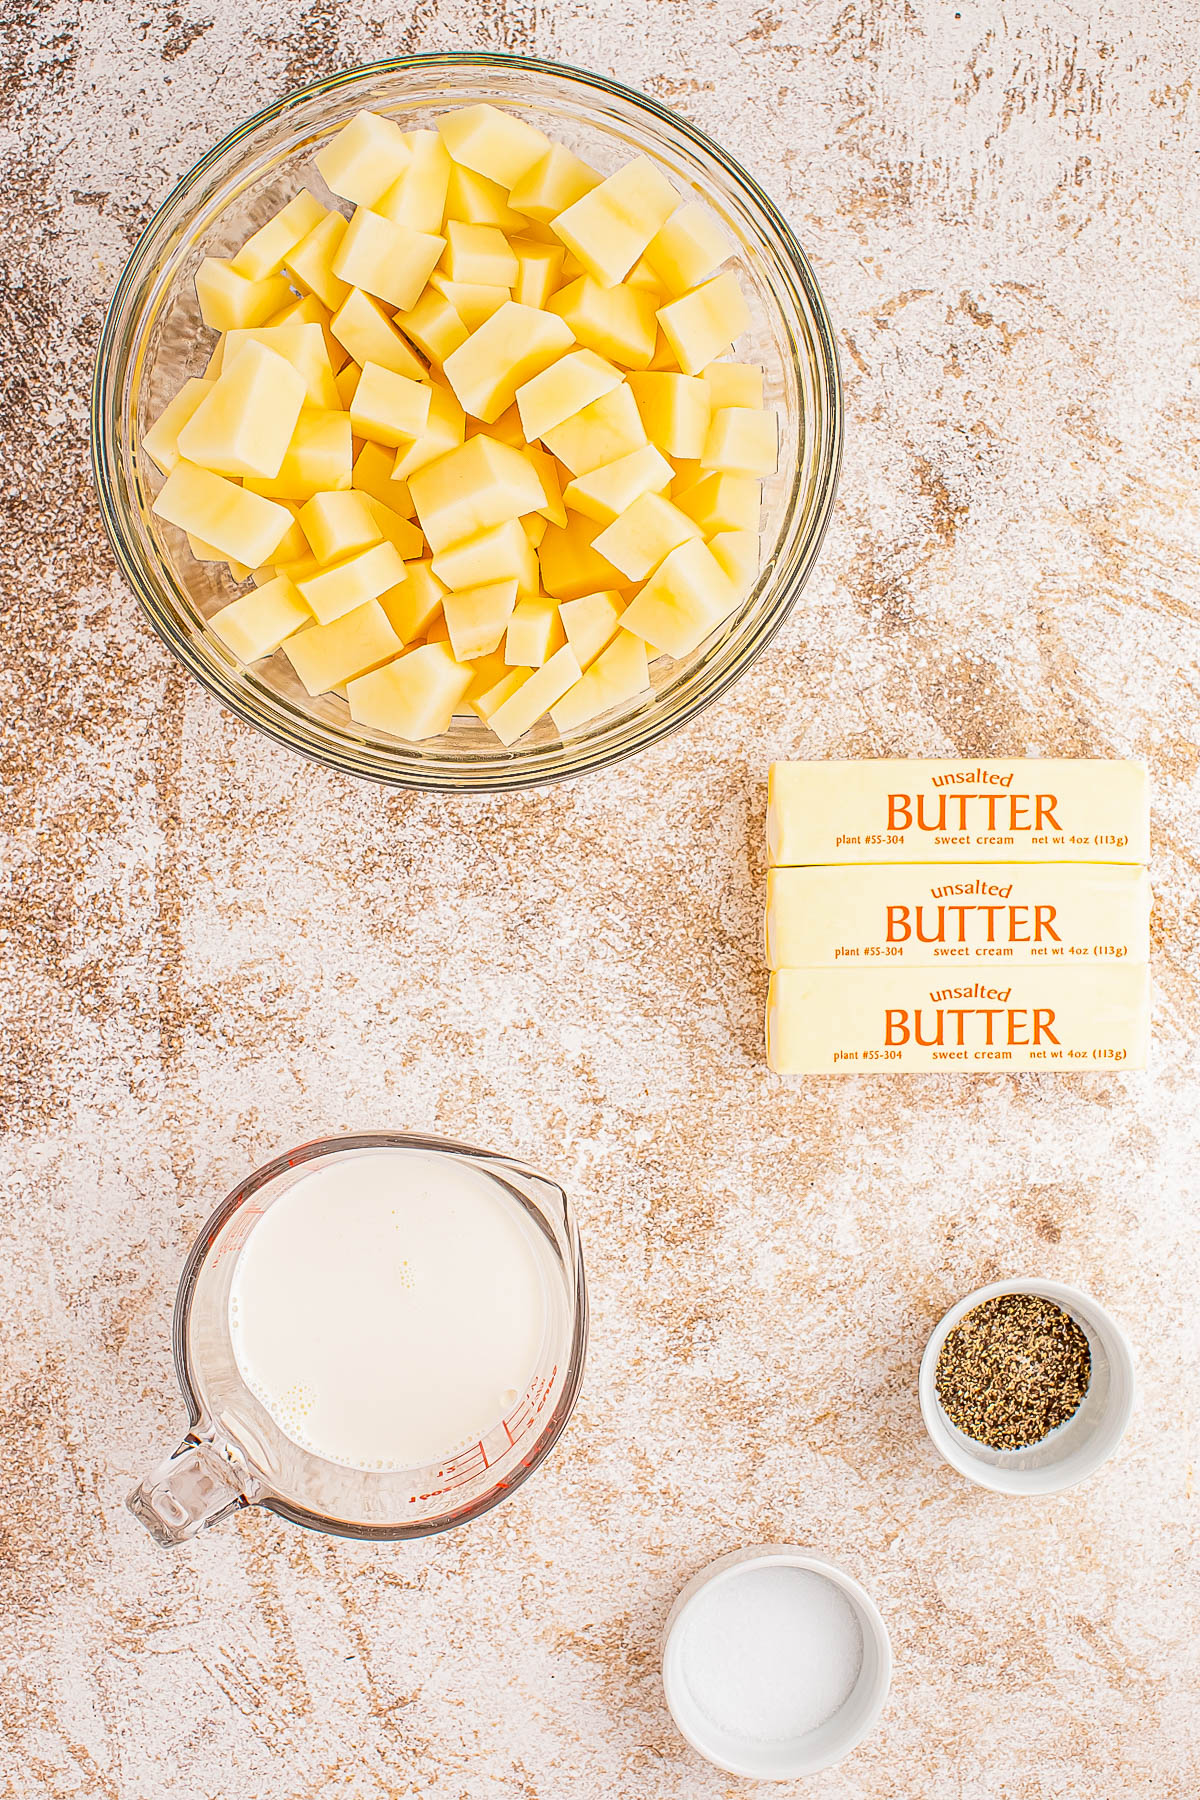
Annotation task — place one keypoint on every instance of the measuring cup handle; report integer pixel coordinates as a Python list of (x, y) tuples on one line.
[(197, 1485)]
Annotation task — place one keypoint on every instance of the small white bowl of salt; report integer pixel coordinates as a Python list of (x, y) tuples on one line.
[(776, 1663)]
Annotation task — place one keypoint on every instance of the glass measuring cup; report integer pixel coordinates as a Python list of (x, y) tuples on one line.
[(235, 1454)]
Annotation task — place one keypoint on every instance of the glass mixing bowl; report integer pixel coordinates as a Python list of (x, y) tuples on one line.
[(153, 340)]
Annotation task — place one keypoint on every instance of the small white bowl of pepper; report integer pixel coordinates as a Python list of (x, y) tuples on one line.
[(1027, 1386)]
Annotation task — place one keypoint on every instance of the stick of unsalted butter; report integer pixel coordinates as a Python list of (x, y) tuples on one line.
[(906, 1020), (931, 913), (1038, 809)]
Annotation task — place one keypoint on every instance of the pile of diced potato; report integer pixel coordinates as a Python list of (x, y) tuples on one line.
[(480, 445)]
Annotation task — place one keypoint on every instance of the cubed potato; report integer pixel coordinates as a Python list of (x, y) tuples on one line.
[(477, 618), (551, 184), (324, 655), (438, 632), (405, 538), (415, 603), (161, 442), (388, 408), (338, 524), (373, 474), (539, 269), (617, 322), (263, 252), (619, 674), (610, 227), (705, 323), (433, 325), (228, 300), (414, 697), (308, 310), (477, 485), (675, 411), (293, 545), (546, 470), (418, 197), (607, 429), (571, 565), (473, 301), (239, 524), (563, 390), (257, 623), (643, 535), (445, 429), (508, 349), (687, 596), (534, 633), (392, 262), (733, 384), (302, 345), (244, 426), (319, 458), (368, 335), (720, 502), (310, 264), (664, 356), (489, 690), (740, 555), (534, 526), (479, 253), (216, 361), (332, 593), (523, 708), (591, 623), (685, 251), (494, 554), (643, 276), (492, 142), (209, 553), (365, 158), (346, 382), (507, 429), (477, 200), (743, 440), (604, 493)]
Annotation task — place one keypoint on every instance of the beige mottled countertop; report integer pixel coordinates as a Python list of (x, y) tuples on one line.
[(211, 950)]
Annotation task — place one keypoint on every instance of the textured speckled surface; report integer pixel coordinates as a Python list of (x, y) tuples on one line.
[(212, 950)]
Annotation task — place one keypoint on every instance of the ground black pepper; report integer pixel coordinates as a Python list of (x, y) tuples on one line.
[(1012, 1369)]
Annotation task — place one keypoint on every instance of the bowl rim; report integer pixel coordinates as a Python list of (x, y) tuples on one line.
[(1082, 1307), (566, 759)]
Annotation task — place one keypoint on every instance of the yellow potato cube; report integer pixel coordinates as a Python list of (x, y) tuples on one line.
[(534, 526), (507, 429), (743, 440), (643, 535), (591, 623), (240, 525), (536, 694), (606, 492), (439, 632), (433, 325), (414, 697), (346, 382), (300, 344), (508, 349), (546, 470), (298, 570), (324, 655), (610, 227), (489, 691), (664, 357), (687, 597), (373, 474), (643, 276), (263, 252), (733, 384), (161, 442), (563, 390), (705, 323), (477, 200), (477, 618), (418, 198), (551, 184), (415, 603), (319, 458), (620, 673), (338, 524), (493, 143), (618, 322), (310, 264), (686, 250), (539, 269), (331, 593), (473, 301), (721, 502), (479, 484), (391, 261), (388, 408), (402, 534), (293, 545), (213, 366), (256, 624), (739, 554), (445, 429), (364, 159), (607, 429), (675, 411), (209, 553), (494, 554), (534, 633), (479, 253), (364, 329), (570, 564), (228, 299), (308, 310)]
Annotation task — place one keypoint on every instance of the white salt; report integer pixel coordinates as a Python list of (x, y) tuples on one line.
[(771, 1653)]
